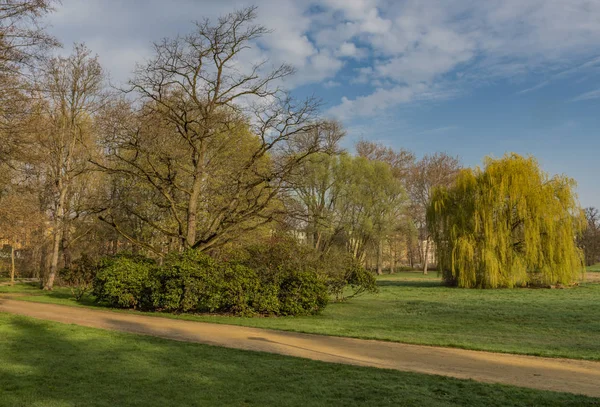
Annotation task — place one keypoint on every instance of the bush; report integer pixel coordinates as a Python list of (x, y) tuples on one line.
[(124, 281), (342, 270), (187, 282), (80, 276), (278, 278), (291, 269), (195, 282), (302, 293), (360, 280)]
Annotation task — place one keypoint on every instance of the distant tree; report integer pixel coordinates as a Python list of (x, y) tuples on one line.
[(400, 161), (400, 232), (349, 202), (508, 224), (427, 174), (590, 239)]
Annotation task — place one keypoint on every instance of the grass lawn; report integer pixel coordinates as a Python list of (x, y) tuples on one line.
[(50, 364), (413, 308), (594, 268)]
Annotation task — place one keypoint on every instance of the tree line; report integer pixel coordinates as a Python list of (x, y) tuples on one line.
[(204, 149), (199, 150)]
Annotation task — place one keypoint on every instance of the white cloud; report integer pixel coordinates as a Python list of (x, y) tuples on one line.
[(594, 94), (532, 88), (410, 43), (382, 99), (348, 49)]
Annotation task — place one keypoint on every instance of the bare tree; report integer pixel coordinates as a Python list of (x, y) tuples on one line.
[(74, 90), (400, 160), (198, 98), (429, 172), (589, 241), (23, 40)]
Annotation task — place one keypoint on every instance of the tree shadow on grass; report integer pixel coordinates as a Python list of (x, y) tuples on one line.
[(50, 364)]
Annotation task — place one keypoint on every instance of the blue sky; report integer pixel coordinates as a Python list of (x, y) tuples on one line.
[(472, 78)]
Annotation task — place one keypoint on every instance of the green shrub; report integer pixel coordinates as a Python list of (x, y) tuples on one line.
[(187, 282), (266, 299), (291, 283), (280, 278), (341, 271), (195, 282), (360, 280), (124, 281), (302, 293)]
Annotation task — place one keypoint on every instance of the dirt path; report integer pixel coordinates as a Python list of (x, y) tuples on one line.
[(566, 375)]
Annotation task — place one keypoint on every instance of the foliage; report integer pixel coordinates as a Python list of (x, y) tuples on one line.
[(194, 282), (360, 280), (507, 225), (124, 281), (302, 293), (342, 271), (285, 256), (80, 276), (348, 202)]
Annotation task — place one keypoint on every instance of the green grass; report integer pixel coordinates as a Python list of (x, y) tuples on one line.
[(594, 268), (47, 364), (413, 308)]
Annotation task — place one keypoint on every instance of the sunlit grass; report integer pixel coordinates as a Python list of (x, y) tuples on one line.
[(46, 364)]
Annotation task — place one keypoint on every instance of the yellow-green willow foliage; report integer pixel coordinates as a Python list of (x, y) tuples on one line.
[(507, 225)]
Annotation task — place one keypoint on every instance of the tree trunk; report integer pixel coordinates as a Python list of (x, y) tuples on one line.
[(380, 257), (192, 213), (115, 246), (66, 248), (12, 264), (392, 261), (426, 255), (60, 209)]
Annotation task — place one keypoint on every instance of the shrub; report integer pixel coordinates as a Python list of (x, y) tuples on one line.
[(278, 278), (266, 299), (80, 276), (291, 269), (195, 282), (360, 280), (187, 282), (302, 293), (124, 281), (342, 270)]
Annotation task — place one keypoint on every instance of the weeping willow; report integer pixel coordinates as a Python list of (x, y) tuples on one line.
[(507, 225)]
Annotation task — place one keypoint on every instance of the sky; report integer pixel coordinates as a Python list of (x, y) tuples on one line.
[(468, 77)]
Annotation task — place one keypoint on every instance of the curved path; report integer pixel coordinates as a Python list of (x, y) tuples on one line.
[(566, 375)]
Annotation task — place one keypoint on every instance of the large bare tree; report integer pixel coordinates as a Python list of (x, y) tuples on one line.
[(199, 103)]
